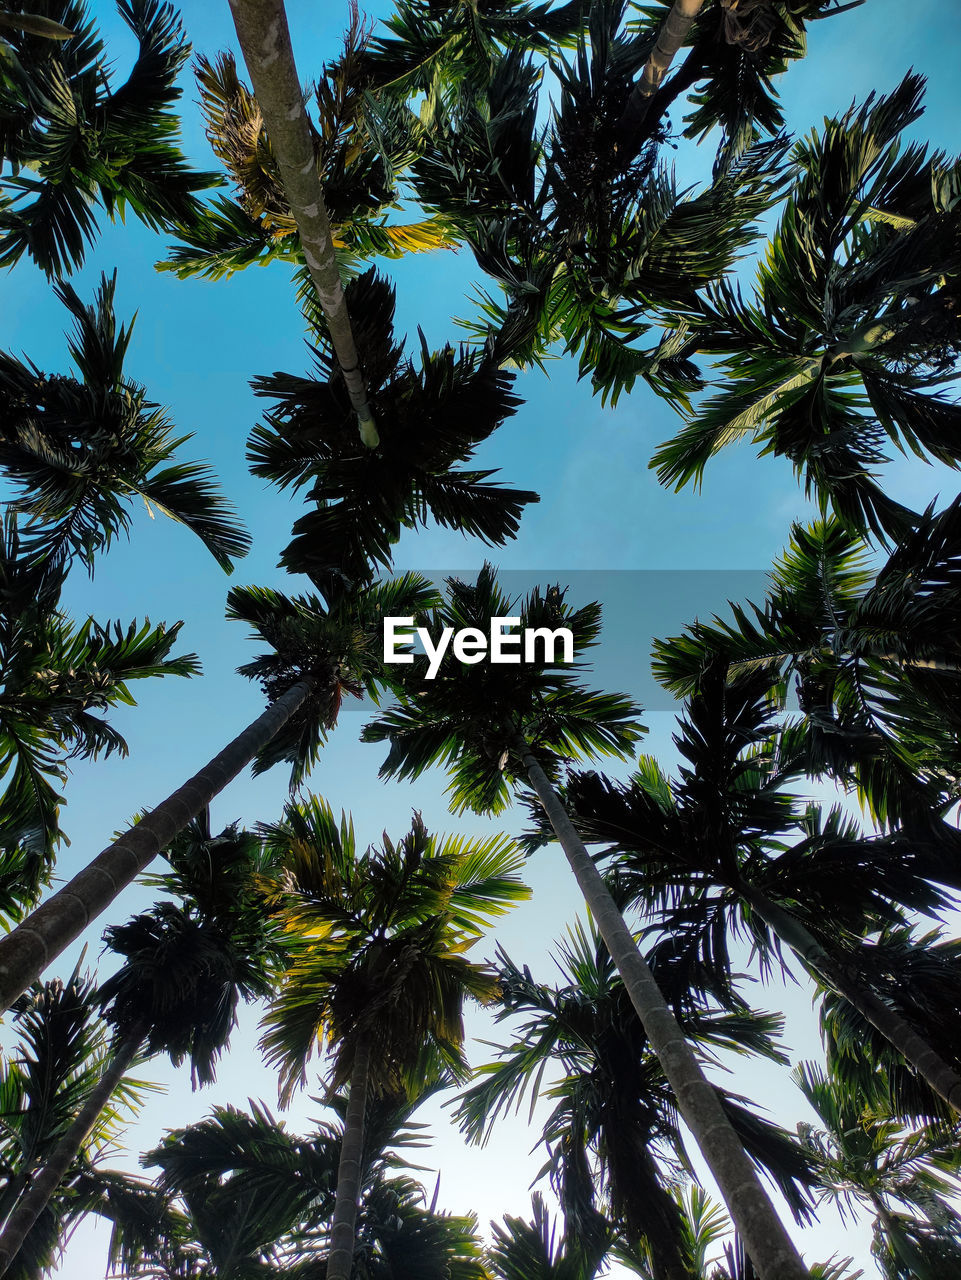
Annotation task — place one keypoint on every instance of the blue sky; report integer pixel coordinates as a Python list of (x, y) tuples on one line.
[(195, 346)]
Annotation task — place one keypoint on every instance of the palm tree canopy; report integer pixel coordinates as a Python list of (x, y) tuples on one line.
[(72, 137), (363, 147), (430, 420), (852, 329), (614, 1148), (337, 647), (874, 656), (378, 942), (586, 239), (691, 851), (473, 719), (62, 1052), (57, 680), (906, 1180), (240, 1197), (734, 54), (188, 964), (79, 451)]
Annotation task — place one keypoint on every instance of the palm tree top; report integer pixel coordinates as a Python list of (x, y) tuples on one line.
[(188, 962), (73, 136), (335, 645), (80, 451), (480, 720), (378, 941)]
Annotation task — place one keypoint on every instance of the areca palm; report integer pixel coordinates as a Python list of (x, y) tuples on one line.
[(906, 1181), (56, 680), (615, 1152), (494, 725), (240, 1197), (431, 419), (725, 846), (72, 137), (62, 1054), (379, 971), (874, 656), (319, 655), (852, 329), (361, 148), (585, 240), (919, 976), (188, 965), (80, 450), (735, 51)]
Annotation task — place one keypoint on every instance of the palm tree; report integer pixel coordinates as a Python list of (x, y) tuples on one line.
[(80, 451), (736, 50), (362, 152), (56, 678), (320, 654), (61, 1057), (239, 1195), (853, 327), (265, 42), (493, 725), (72, 137), (905, 1180), (874, 656), (615, 1151), (530, 1250), (918, 976), (715, 845), (585, 239), (378, 970), (431, 419), (188, 965)]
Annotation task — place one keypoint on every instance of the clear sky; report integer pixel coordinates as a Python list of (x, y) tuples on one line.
[(195, 346)]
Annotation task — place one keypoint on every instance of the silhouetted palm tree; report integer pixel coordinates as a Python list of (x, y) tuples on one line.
[(71, 137), (379, 970), (188, 965)]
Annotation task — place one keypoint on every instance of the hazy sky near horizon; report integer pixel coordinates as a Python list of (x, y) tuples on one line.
[(196, 344)]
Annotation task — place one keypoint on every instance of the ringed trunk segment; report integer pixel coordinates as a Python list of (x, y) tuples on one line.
[(929, 1065), (343, 1229), (27, 950), (767, 1242), (265, 42), (670, 38), (41, 1188)]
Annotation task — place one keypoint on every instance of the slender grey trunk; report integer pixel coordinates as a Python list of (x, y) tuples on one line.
[(930, 1066), (41, 1187), (265, 42), (39, 939), (344, 1221), (671, 36), (768, 1244)]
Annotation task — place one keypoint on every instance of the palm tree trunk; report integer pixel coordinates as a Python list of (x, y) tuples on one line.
[(39, 939), (671, 36), (770, 1247), (40, 1188), (265, 42), (344, 1221), (930, 1066)]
